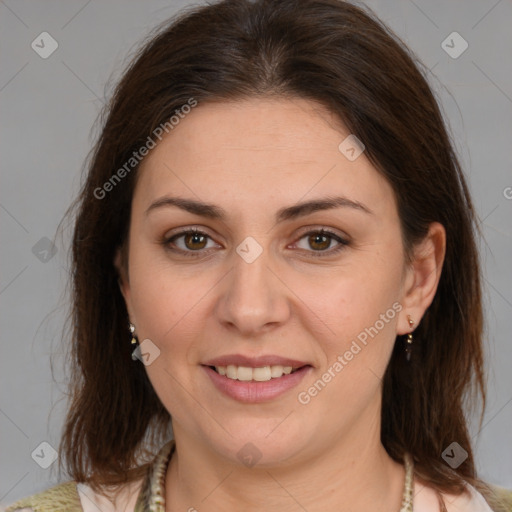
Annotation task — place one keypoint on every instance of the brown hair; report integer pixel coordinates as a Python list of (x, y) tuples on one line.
[(338, 55)]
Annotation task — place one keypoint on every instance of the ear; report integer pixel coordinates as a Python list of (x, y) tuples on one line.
[(124, 283), (422, 277)]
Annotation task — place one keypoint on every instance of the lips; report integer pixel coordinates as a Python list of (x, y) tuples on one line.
[(255, 379)]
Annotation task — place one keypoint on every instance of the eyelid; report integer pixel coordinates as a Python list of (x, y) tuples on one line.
[(183, 231), (323, 229)]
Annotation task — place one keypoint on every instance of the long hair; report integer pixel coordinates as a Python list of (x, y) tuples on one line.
[(341, 56)]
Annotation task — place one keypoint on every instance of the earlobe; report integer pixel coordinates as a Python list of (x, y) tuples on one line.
[(423, 277)]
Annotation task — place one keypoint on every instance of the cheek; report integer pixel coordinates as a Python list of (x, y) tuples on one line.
[(355, 302), (362, 310), (156, 304), (166, 309), (170, 305), (363, 316)]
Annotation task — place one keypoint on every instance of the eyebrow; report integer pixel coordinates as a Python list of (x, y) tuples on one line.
[(212, 211)]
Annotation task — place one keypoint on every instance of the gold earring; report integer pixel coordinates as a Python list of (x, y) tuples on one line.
[(409, 340), (132, 331)]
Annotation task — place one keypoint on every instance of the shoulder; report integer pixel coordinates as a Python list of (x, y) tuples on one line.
[(79, 497), (75, 497), (60, 498), (426, 500)]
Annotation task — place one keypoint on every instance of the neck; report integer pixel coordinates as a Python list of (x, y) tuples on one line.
[(354, 474)]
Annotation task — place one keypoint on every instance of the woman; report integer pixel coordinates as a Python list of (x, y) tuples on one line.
[(274, 254)]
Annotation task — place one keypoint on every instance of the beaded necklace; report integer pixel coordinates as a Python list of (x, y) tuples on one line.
[(152, 494)]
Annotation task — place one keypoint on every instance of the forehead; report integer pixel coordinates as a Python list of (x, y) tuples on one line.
[(287, 126), (257, 149)]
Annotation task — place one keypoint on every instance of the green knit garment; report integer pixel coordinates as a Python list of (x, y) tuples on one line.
[(64, 497), (61, 498)]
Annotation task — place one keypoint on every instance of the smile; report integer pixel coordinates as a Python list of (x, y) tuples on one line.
[(255, 385), (261, 374)]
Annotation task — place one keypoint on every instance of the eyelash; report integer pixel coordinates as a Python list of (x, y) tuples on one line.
[(316, 254)]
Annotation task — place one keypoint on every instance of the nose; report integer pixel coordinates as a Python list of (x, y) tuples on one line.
[(253, 298)]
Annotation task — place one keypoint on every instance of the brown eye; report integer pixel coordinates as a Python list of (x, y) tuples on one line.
[(319, 242), (189, 243), (195, 241)]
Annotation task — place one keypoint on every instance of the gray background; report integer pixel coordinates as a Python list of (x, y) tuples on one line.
[(48, 107)]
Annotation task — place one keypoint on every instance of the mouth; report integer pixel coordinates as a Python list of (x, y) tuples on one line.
[(263, 381), (258, 374)]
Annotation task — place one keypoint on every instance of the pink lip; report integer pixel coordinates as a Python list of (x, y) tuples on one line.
[(254, 362), (255, 392)]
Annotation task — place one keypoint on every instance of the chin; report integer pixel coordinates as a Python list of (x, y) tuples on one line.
[(261, 443)]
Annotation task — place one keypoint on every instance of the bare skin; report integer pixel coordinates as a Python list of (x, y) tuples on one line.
[(299, 298)]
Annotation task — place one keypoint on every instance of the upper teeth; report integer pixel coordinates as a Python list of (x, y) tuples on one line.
[(259, 374)]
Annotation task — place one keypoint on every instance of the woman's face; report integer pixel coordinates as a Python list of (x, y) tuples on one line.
[(260, 286)]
